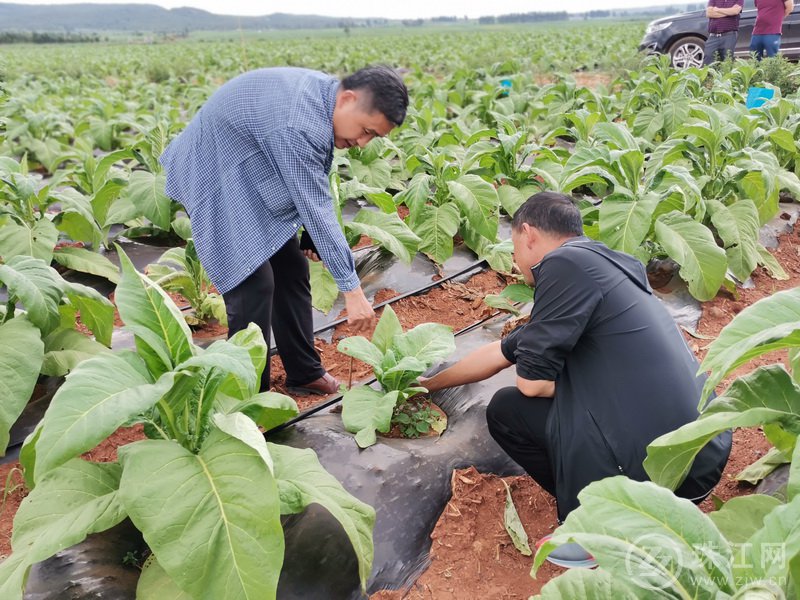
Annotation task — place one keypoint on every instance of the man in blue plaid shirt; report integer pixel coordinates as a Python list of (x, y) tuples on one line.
[(251, 169)]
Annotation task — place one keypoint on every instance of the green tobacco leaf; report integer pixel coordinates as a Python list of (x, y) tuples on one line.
[(500, 303), (324, 290), (772, 550), (771, 323), (65, 349), (73, 501), (240, 426), (212, 518), (514, 526), (773, 267), (518, 292), (252, 339), (510, 198), (268, 409), (642, 534), (230, 359), (428, 342), (478, 201), (586, 584), (97, 313), (155, 584), (146, 191), (361, 348), (21, 355), (738, 227), (767, 395), (387, 230), (739, 518), (162, 334), (37, 286), (302, 481), (388, 326), (21, 240), (765, 465), (91, 405), (692, 246), (364, 410), (86, 261), (625, 221), (436, 227)]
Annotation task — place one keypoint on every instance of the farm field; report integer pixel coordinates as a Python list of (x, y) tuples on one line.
[(669, 166)]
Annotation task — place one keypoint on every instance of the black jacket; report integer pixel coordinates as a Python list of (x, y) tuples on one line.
[(623, 372)]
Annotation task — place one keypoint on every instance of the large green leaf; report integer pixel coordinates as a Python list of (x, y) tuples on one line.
[(65, 349), (69, 503), (37, 286), (739, 518), (587, 585), (436, 227), (692, 246), (625, 221), (240, 426), (767, 395), (324, 290), (212, 519), (146, 191), (98, 396), (252, 340), (155, 584), (642, 534), (268, 409), (20, 240), (21, 355), (769, 324), (388, 326), (388, 231), (302, 480), (510, 198), (229, 359), (86, 261), (478, 201), (774, 549), (361, 348), (428, 342), (97, 313), (162, 334), (364, 410), (738, 226)]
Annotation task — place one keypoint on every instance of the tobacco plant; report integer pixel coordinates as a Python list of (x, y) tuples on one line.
[(397, 359), (205, 489)]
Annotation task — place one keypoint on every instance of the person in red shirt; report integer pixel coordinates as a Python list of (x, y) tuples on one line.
[(723, 29), (766, 38)]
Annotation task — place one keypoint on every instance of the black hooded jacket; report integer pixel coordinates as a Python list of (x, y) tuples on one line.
[(623, 372)]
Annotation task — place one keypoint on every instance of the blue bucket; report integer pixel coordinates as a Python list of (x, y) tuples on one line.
[(758, 96)]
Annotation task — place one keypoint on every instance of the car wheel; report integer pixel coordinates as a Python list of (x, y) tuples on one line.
[(687, 52)]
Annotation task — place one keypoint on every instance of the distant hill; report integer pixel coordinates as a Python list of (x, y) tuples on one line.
[(69, 18), (149, 17)]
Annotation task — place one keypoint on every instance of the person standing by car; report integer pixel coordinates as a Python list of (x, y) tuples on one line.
[(723, 29), (766, 38)]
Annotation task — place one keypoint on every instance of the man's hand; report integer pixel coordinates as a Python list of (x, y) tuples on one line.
[(359, 311)]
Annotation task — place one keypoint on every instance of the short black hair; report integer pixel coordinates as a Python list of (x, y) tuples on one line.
[(387, 92), (551, 212)]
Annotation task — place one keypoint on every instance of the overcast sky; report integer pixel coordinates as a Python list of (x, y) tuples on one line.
[(396, 9)]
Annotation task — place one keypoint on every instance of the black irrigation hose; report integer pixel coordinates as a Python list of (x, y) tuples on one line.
[(338, 397), (425, 288)]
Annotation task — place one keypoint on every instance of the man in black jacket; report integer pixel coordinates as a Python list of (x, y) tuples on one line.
[(602, 369)]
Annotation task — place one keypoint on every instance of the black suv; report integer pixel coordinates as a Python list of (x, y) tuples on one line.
[(684, 36)]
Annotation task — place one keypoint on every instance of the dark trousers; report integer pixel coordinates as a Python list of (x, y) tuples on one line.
[(720, 47), (279, 287), (517, 423)]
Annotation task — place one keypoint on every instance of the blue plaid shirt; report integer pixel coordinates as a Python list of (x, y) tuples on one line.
[(251, 168)]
